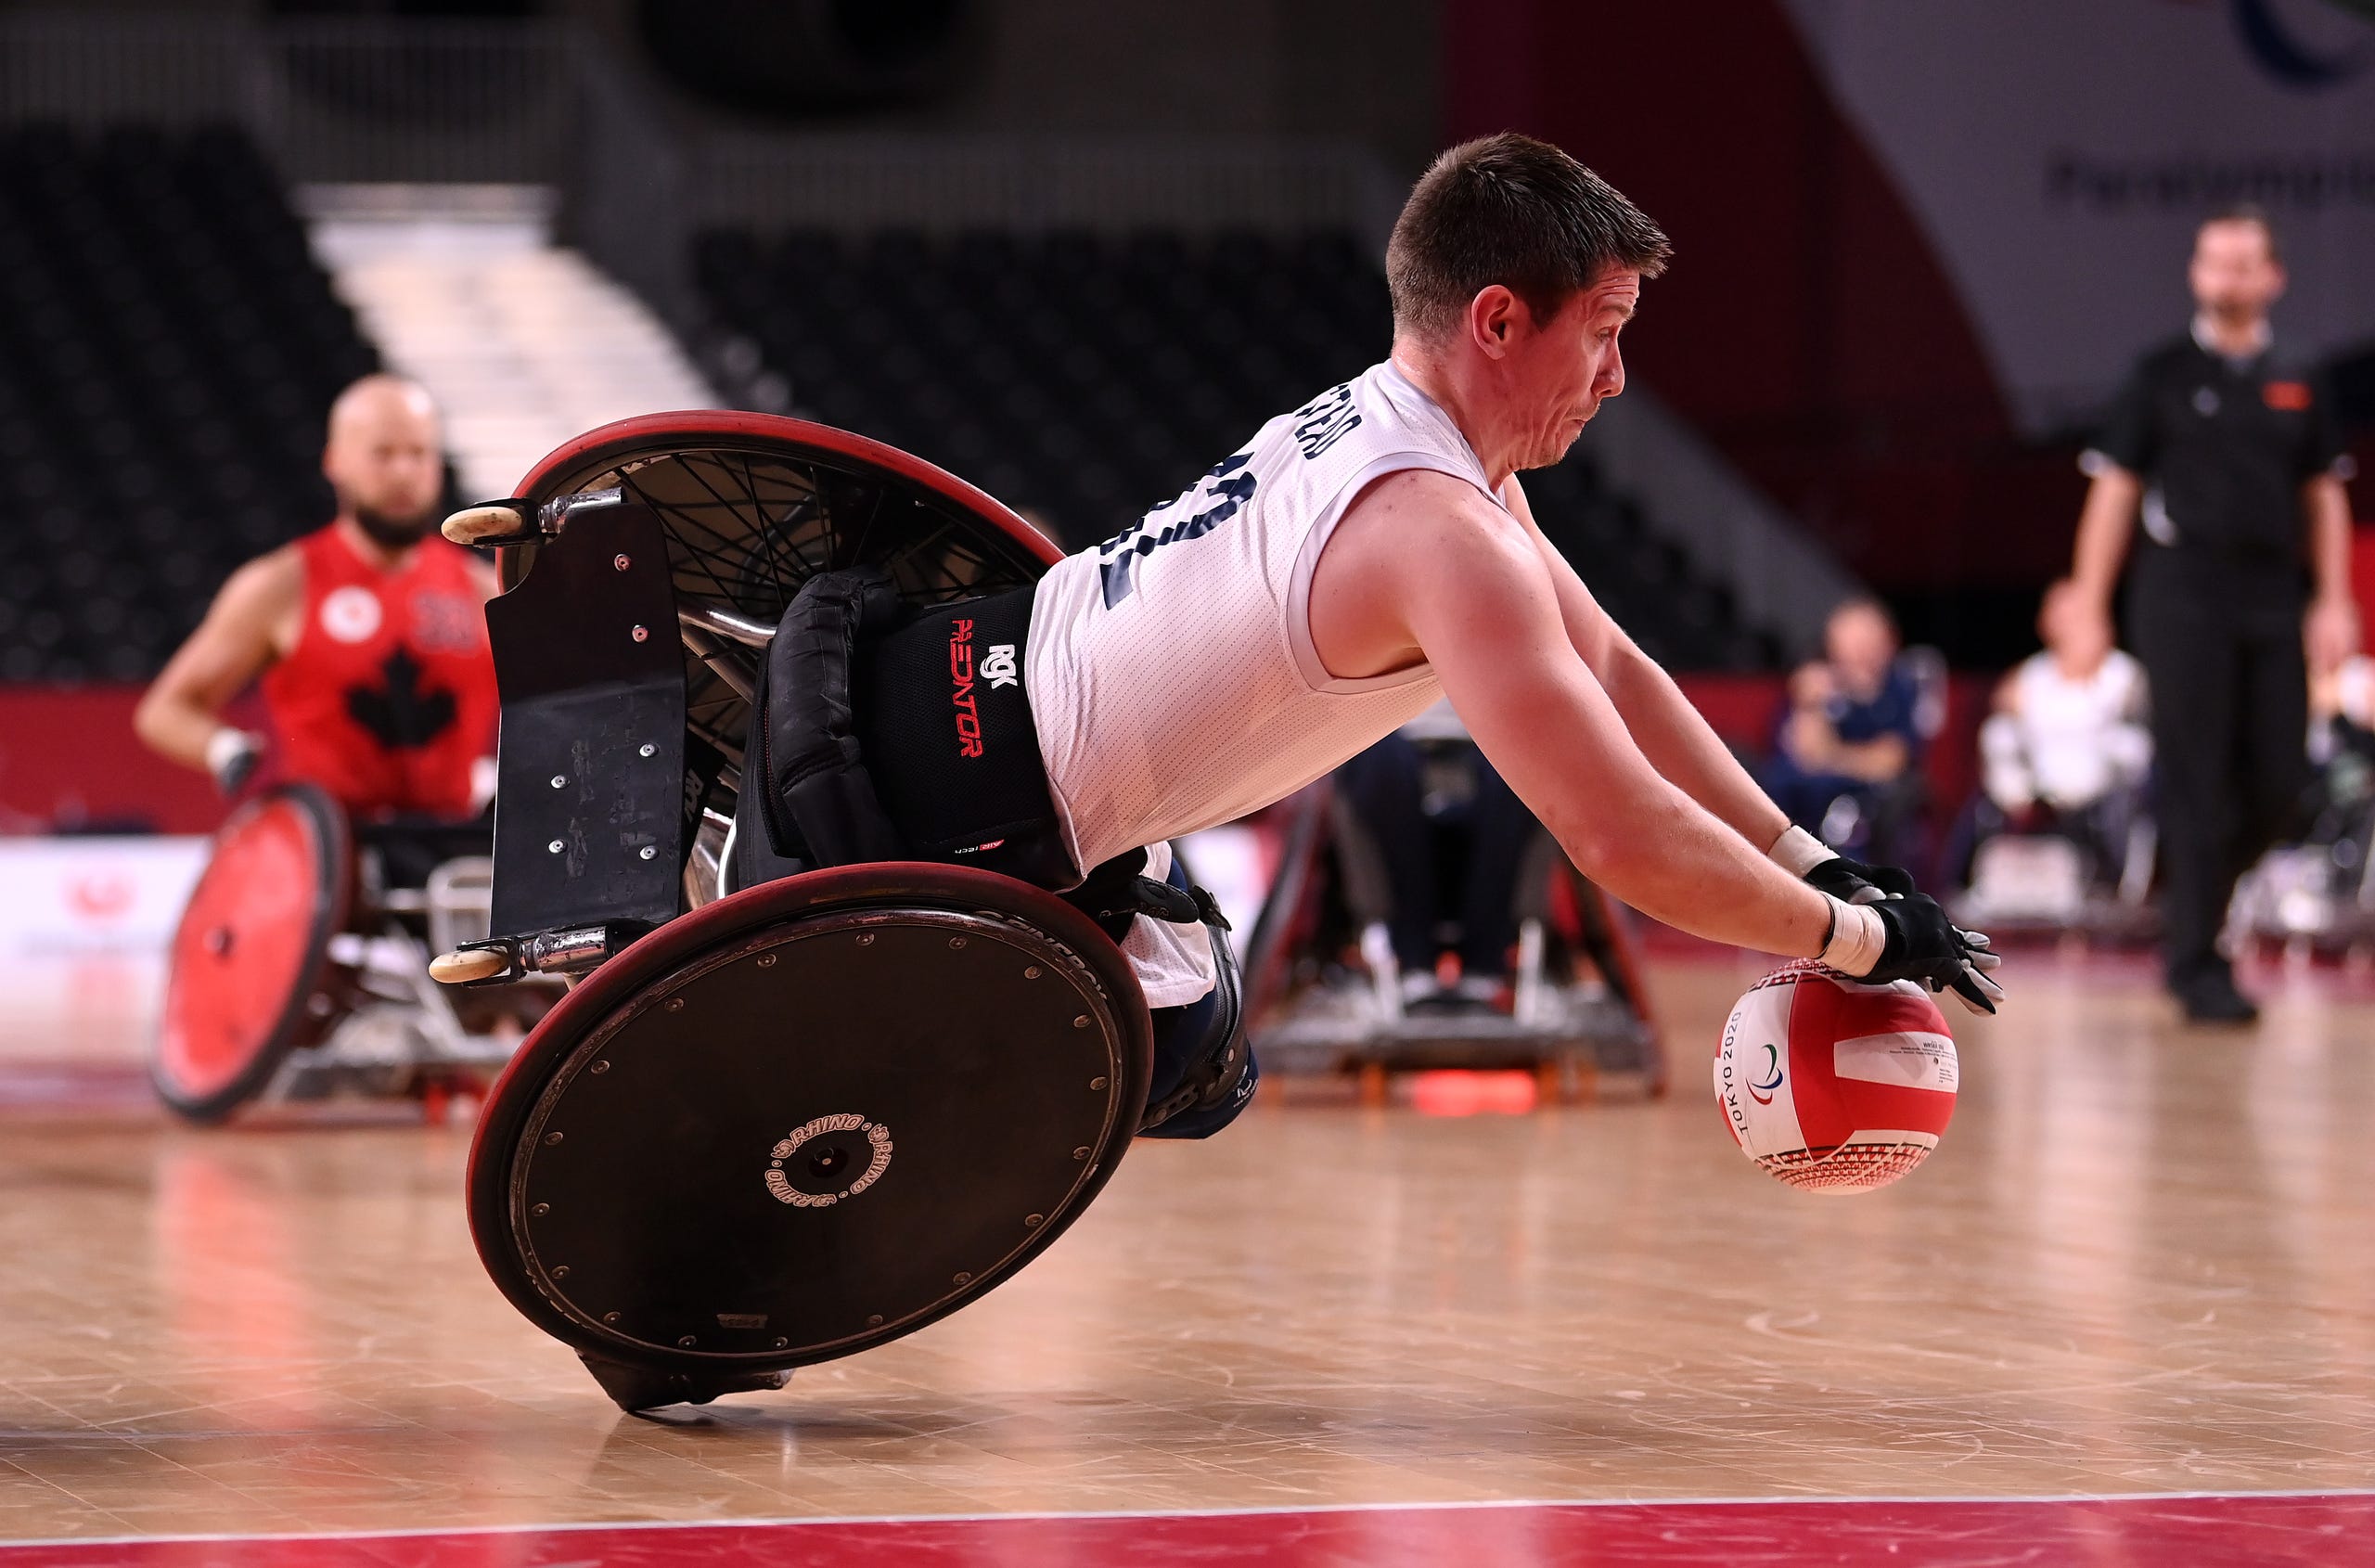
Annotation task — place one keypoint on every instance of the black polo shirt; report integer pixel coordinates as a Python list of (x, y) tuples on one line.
[(2224, 447)]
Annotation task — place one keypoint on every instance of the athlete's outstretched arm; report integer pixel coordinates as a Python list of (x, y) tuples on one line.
[(1478, 602), (1672, 734), (180, 713)]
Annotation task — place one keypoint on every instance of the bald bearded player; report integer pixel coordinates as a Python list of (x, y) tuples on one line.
[(1357, 559), (369, 634)]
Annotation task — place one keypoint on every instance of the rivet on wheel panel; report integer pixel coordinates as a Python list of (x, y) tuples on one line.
[(963, 1278), (541, 1209), (1097, 1083), (1031, 973), (599, 1067), (957, 941), (767, 960), (641, 634), (562, 1273), (551, 1138), (620, 563), (675, 1003), (1034, 1221), (610, 1317), (1080, 1023), (687, 1342), (874, 1320), (781, 1342), (866, 939), (1081, 1153)]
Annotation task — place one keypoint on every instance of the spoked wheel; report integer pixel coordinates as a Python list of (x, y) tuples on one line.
[(755, 504), (251, 951), (806, 1120)]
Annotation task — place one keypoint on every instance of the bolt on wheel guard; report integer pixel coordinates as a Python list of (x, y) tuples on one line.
[(806, 1120)]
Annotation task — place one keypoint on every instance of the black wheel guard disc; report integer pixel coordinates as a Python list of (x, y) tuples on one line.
[(818, 1136)]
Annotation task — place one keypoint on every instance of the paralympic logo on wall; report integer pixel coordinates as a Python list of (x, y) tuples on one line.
[(2276, 44)]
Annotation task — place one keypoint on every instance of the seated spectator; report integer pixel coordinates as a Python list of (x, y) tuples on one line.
[(2342, 750), (1845, 750), (2069, 726), (1421, 791)]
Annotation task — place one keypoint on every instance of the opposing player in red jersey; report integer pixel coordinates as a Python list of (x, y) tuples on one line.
[(369, 635)]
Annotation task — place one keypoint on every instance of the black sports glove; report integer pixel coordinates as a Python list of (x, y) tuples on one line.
[(1920, 944), (231, 757), (1852, 882)]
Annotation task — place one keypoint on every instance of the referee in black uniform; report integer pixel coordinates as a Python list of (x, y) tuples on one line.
[(2229, 453)]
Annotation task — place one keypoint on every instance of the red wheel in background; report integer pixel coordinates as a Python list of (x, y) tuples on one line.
[(250, 951)]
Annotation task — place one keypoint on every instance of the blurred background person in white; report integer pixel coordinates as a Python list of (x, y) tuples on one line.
[(2068, 731)]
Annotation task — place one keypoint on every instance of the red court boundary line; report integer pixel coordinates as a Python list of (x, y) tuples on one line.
[(2209, 1529)]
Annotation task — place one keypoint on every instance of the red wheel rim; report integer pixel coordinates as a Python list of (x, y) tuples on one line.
[(250, 949)]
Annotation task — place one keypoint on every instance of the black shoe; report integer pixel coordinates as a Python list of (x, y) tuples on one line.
[(2209, 997)]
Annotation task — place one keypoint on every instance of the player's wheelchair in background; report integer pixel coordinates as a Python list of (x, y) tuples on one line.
[(2316, 894), (300, 967), (774, 1125), (1324, 988), (2084, 872)]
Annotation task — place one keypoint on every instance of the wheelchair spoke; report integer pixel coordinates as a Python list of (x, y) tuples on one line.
[(748, 525)]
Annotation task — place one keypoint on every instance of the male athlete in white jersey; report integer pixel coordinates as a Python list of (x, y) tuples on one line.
[(1373, 551)]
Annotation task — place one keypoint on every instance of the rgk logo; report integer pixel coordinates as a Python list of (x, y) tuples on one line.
[(961, 672), (1000, 667)]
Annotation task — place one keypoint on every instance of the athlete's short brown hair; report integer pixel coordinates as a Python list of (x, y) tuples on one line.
[(1512, 210)]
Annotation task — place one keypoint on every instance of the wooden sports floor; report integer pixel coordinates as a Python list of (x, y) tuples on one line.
[(2125, 1315)]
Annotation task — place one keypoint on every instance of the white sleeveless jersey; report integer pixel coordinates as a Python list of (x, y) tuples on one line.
[(1170, 670)]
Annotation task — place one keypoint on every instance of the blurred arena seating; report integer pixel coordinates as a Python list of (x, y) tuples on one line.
[(1083, 376), (168, 349)]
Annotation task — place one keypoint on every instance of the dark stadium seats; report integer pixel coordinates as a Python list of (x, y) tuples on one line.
[(168, 349), (1083, 378)]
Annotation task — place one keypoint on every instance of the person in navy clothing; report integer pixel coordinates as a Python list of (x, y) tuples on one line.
[(1845, 747)]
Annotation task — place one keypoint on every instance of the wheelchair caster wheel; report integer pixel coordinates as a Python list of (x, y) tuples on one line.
[(460, 968), (641, 1388), (479, 526)]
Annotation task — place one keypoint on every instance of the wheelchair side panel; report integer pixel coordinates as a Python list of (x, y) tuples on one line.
[(590, 801)]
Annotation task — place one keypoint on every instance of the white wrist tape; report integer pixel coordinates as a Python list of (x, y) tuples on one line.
[(483, 782), (1798, 852), (224, 747), (1857, 939)]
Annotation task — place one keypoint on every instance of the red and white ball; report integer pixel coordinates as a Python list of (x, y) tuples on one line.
[(1834, 1086)]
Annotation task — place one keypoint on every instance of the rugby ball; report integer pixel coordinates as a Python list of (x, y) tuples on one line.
[(1833, 1084)]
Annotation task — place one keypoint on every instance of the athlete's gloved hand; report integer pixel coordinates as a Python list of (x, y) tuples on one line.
[(1909, 937), (231, 757), (1819, 866), (1852, 882)]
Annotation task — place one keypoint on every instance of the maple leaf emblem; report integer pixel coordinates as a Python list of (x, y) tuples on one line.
[(401, 715)]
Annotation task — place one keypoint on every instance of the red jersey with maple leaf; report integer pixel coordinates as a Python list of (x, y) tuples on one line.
[(389, 695)]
